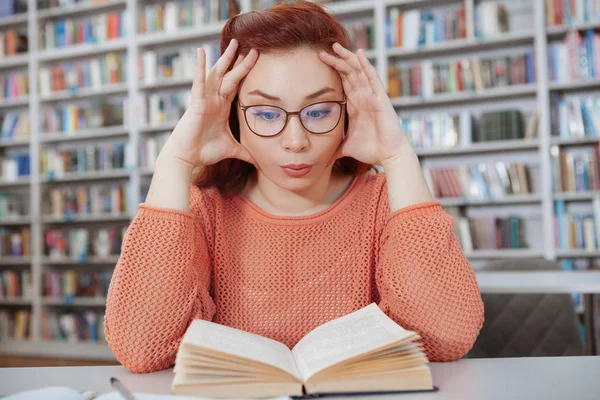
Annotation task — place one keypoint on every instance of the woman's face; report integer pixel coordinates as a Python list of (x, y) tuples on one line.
[(295, 158)]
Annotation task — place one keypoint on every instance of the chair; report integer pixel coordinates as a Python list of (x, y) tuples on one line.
[(528, 325)]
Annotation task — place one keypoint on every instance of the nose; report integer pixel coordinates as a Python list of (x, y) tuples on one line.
[(294, 137)]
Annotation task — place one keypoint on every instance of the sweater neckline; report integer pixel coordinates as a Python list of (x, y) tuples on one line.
[(249, 208)]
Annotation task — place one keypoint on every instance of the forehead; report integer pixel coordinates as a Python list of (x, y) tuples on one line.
[(291, 74)]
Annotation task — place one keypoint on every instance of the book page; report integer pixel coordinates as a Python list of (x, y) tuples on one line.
[(357, 333), (240, 344)]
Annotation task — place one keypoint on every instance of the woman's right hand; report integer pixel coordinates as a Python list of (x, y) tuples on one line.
[(202, 135)]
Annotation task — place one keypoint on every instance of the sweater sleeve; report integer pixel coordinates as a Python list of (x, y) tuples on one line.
[(425, 282), (160, 284)]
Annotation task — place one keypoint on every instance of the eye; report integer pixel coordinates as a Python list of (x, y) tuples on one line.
[(267, 115), (317, 113)]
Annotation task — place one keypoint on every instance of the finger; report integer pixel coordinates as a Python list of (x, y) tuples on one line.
[(199, 80), (346, 85), (352, 61), (238, 60), (372, 75), (233, 78), (341, 66), (220, 67)]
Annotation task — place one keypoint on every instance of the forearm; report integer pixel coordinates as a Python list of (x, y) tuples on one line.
[(170, 185), (405, 181), (160, 283), (426, 283)]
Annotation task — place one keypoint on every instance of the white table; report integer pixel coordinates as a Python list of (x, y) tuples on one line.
[(574, 378)]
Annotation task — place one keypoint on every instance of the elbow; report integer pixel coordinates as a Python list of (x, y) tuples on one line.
[(458, 337), (141, 354)]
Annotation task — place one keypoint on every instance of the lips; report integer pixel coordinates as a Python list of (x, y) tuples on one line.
[(296, 170)]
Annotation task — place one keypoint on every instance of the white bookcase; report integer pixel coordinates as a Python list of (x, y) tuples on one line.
[(527, 29)]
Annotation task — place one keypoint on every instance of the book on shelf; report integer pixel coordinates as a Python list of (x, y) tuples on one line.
[(14, 85), (72, 327), (576, 230), (69, 118), (479, 181), (496, 233), (571, 13), (70, 284), (163, 107), (94, 73), (171, 16), (364, 351), (70, 201), (413, 29), (490, 19), (94, 29), (15, 284), (575, 117), (576, 58), (575, 169), (79, 244), (15, 166), (54, 163), (15, 242), (14, 125), (12, 7), (150, 148), (15, 325), (427, 78), (12, 42), (361, 34), (13, 205)]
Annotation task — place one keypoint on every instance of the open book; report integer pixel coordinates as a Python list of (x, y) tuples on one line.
[(364, 351)]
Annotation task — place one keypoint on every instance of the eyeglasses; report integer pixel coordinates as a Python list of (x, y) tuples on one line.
[(317, 118)]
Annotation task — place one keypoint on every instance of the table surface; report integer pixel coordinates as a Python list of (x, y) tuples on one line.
[(545, 378)]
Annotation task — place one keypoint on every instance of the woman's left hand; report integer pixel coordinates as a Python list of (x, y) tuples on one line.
[(374, 133)]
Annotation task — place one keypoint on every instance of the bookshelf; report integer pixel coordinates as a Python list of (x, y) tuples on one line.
[(528, 31)]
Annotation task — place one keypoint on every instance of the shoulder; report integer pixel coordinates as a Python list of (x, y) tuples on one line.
[(373, 184), (204, 201)]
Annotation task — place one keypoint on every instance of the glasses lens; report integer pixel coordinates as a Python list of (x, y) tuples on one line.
[(265, 120), (321, 117)]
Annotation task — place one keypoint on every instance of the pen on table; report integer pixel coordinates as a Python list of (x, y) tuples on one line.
[(114, 382)]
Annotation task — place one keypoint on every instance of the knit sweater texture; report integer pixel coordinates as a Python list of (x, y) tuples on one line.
[(228, 261)]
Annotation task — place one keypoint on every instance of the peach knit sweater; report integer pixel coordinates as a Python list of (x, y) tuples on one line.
[(227, 261)]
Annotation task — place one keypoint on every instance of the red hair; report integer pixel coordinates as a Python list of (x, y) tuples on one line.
[(284, 27)]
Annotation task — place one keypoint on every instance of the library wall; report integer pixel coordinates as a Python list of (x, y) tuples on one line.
[(91, 89)]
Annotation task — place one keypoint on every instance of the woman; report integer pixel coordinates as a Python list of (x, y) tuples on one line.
[(284, 227)]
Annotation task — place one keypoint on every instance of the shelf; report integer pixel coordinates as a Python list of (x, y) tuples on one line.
[(14, 301), (573, 141), (509, 199), (74, 302), (167, 83), (21, 220), (481, 147), (81, 218), (538, 281), (118, 88), (146, 171), (89, 175), (84, 134), (166, 126), (503, 254), (87, 6), (19, 60), (14, 19), (15, 142), (575, 85), (343, 8), (20, 102), (82, 50), (577, 253), (561, 30), (91, 260), (464, 97), (576, 196), (467, 44), (18, 182), (56, 348), (202, 31), (10, 260)]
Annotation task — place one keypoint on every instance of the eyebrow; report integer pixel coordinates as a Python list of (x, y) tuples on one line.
[(309, 97)]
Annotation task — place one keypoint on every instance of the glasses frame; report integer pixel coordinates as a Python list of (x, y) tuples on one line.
[(288, 114)]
